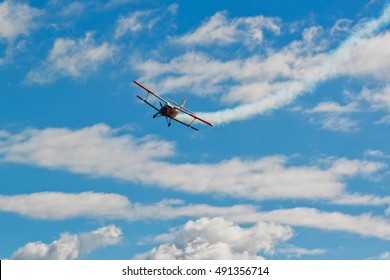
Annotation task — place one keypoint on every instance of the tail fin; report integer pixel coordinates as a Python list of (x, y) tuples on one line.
[(183, 102)]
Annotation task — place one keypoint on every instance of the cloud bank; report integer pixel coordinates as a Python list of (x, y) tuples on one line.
[(69, 246), (59, 206), (260, 83), (218, 239), (99, 151)]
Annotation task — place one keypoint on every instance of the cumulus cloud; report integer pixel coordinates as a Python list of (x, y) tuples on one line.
[(218, 238), (16, 19), (70, 246), (220, 30), (99, 151), (72, 58)]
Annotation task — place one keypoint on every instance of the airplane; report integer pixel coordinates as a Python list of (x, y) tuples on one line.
[(170, 109)]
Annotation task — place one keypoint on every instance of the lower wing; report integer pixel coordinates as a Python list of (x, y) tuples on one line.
[(186, 124), (147, 102)]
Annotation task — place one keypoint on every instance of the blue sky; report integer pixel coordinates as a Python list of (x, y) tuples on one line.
[(296, 166)]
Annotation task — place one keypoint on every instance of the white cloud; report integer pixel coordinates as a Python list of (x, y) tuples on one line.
[(369, 57), (374, 153), (73, 58), (116, 3), (222, 239), (220, 30), (114, 206), (134, 22), (96, 150), (218, 238), (333, 108), (255, 77), (173, 8), (335, 123), (99, 151), (333, 116), (143, 20), (259, 83), (341, 26), (365, 224), (296, 252), (383, 256), (70, 246), (346, 167), (4, 134), (342, 124), (383, 120), (313, 41), (72, 9), (361, 199), (379, 98), (16, 19), (57, 205)]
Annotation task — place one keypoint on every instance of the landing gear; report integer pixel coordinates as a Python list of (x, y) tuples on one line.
[(168, 121)]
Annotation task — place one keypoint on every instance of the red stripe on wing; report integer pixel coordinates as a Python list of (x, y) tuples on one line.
[(196, 117), (149, 91)]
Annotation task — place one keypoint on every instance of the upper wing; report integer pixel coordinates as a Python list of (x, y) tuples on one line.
[(151, 92)]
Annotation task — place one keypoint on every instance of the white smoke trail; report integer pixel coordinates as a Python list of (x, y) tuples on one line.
[(327, 70)]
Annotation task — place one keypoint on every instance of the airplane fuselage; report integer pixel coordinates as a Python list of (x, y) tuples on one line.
[(169, 111)]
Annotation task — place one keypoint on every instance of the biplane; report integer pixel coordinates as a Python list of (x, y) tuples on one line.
[(170, 109)]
